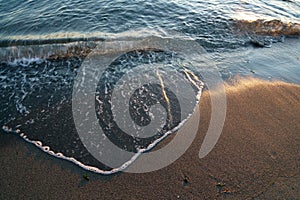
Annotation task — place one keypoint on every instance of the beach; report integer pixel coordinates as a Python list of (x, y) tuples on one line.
[(92, 90), (256, 157)]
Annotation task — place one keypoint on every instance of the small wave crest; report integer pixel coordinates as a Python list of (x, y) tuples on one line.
[(27, 49), (26, 55)]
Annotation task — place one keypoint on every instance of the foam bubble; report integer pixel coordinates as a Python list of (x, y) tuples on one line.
[(25, 62)]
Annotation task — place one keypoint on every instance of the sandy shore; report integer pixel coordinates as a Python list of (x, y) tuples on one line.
[(256, 157)]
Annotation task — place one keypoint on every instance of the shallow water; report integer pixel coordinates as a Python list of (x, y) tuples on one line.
[(43, 45)]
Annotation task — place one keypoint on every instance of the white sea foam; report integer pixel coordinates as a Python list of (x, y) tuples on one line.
[(25, 62)]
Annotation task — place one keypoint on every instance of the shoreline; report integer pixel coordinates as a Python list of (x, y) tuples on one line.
[(256, 157)]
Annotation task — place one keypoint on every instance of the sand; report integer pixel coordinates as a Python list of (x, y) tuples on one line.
[(256, 157)]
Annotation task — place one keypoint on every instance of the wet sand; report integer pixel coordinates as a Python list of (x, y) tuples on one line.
[(256, 157)]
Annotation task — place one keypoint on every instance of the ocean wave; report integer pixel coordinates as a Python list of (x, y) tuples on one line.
[(29, 48)]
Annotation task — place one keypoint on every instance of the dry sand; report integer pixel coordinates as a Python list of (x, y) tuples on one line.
[(256, 157)]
